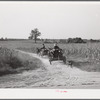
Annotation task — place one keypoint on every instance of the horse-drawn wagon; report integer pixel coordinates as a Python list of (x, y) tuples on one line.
[(53, 55)]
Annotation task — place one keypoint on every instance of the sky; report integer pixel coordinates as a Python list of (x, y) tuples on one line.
[(55, 20)]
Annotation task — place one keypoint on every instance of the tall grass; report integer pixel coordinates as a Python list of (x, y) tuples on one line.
[(12, 61), (83, 56), (89, 50)]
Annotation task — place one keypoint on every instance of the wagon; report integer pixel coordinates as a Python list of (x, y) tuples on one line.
[(55, 55)]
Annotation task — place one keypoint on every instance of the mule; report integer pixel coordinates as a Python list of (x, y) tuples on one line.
[(42, 52)]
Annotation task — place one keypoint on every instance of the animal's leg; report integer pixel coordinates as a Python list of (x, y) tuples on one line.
[(64, 59), (50, 62)]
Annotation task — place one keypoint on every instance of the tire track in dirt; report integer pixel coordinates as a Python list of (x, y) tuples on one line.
[(56, 75)]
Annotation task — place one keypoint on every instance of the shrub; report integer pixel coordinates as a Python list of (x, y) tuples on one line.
[(12, 61), (75, 40)]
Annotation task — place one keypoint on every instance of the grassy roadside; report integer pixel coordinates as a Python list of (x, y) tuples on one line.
[(12, 61)]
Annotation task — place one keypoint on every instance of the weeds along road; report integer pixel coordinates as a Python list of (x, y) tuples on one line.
[(54, 76)]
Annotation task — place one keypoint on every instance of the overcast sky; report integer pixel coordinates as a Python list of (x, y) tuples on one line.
[(53, 19)]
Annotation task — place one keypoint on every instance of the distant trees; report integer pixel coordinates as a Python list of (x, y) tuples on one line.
[(69, 40), (34, 34), (63, 40), (2, 39), (93, 41), (75, 40)]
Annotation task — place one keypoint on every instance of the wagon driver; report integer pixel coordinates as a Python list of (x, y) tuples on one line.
[(43, 46)]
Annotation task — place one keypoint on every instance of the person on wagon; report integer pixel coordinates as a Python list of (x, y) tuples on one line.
[(43, 46), (56, 50), (56, 47)]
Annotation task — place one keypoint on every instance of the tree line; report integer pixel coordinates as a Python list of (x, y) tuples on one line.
[(35, 34)]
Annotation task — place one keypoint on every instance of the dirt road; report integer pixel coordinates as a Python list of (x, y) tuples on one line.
[(55, 76)]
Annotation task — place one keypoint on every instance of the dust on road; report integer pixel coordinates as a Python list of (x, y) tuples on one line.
[(55, 76)]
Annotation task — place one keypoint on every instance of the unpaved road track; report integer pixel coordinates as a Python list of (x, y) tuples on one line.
[(54, 76)]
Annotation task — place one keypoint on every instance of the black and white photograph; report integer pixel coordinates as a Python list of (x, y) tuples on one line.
[(50, 45)]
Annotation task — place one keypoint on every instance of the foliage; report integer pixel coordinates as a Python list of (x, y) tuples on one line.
[(94, 41), (12, 61), (85, 56), (34, 34), (75, 40), (79, 53)]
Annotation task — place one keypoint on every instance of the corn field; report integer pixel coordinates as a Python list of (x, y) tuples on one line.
[(90, 50), (81, 54)]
